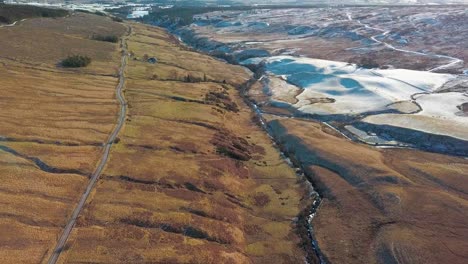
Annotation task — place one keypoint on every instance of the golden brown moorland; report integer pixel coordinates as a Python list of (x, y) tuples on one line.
[(381, 205), (192, 177), (53, 124)]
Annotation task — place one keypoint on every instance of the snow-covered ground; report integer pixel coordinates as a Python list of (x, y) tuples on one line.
[(394, 97), (350, 90), (439, 115), (138, 13), (137, 10), (72, 6)]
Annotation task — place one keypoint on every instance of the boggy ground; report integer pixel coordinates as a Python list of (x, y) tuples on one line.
[(53, 122), (381, 205), (193, 178)]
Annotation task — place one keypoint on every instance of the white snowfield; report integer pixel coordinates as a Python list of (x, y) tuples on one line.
[(340, 88), (354, 90), (138, 13), (440, 115)]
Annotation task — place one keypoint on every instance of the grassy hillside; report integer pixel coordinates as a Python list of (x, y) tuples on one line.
[(192, 178), (12, 13), (52, 126), (380, 205)]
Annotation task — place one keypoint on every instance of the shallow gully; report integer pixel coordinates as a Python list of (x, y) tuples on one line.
[(314, 196)]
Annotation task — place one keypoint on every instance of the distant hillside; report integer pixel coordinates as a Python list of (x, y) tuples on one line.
[(12, 13), (336, 2)]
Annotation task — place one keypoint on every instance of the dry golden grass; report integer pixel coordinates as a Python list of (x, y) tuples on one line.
[(59, 106), (193, 179), (167, 195), (44, 43), (53, 122), (382, 206), (176, 61)]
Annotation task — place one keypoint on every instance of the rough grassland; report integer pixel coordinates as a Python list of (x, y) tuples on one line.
[(45, 42), (11, 13), (52, 125), (381, 206), (191, 180)]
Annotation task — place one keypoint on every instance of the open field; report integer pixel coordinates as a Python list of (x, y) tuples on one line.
[(381, 206), (193, 178), (52, 126), (55, 39)]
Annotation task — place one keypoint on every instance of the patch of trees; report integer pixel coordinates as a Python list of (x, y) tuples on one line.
[(193, 79), (12, 13), (76, 61), (106, 38)]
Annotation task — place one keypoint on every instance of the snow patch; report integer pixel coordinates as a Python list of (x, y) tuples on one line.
[(440, 115), (354, 90)]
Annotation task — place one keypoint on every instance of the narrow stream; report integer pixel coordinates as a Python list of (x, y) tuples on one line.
[(314, 196)]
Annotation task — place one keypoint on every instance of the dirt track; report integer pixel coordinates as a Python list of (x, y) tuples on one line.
[(105, 155)]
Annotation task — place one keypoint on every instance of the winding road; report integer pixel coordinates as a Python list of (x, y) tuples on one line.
[(105, 155)]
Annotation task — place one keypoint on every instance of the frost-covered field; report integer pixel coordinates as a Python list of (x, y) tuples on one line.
[(395, 97), (350, 90), (439, 115)]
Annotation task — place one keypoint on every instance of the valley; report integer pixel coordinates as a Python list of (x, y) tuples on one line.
[(387, 200), (189, 178), (360, 69), (283, 135)]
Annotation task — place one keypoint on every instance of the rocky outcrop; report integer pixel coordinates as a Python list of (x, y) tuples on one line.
[(463, 108)]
